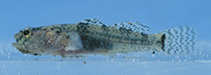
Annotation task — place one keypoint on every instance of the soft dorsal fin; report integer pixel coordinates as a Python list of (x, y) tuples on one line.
[(136, 26), (92, 21)]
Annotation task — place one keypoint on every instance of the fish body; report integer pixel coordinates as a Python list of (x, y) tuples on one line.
[(93, 37)]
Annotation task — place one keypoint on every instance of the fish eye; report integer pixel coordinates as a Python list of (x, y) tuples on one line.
[(26, 32)]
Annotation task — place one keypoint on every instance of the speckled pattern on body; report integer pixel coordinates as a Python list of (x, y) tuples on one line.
[(93, 37)]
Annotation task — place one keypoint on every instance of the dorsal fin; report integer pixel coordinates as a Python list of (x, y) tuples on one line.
[(136, 26), (92, 21)]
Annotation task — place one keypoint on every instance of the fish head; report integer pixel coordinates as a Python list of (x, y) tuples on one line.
[(40, 40), (47, 40), (21, 37)]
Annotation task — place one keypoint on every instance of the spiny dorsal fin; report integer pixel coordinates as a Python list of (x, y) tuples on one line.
[(136, 26), (92, 21)]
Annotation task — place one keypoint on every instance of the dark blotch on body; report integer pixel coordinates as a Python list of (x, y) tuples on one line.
[(163, 41), (91, 43), (124, 30), (104, 27)]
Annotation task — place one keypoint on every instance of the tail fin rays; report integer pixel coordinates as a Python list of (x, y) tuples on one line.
[(179, 40)]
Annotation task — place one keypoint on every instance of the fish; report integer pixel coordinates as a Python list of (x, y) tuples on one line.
[(91, 36)]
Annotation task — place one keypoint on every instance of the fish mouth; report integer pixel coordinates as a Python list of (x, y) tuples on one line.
[(24, 51), (21, 49)]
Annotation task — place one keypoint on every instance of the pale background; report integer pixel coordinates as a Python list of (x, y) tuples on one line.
[(158, 14)]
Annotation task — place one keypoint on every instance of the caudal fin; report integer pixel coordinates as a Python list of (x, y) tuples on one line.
[(178, 40)]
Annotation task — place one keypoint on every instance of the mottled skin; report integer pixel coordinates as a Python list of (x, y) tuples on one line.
[(95, 39)]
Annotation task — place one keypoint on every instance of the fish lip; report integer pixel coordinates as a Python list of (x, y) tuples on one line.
[(21, 49)]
